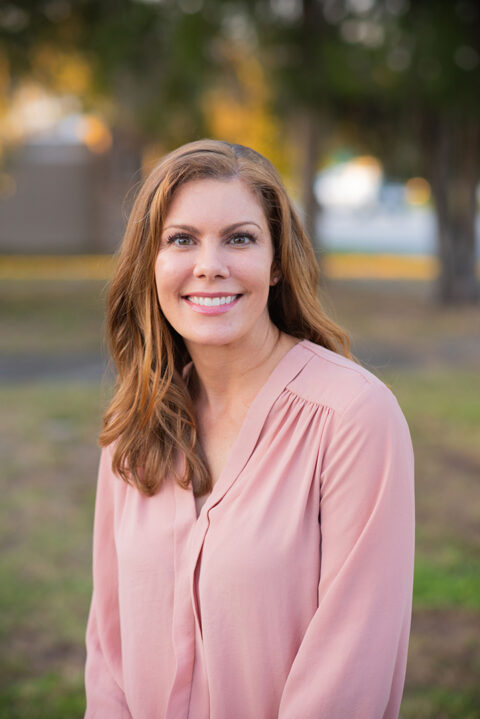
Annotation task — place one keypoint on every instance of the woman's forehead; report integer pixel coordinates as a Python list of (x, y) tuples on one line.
[(224, 201)]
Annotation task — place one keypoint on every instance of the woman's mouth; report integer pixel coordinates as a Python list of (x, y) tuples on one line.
[(211, 304)]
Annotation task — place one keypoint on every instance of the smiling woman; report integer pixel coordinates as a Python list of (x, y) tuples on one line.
[(256, 561), (226, 254)]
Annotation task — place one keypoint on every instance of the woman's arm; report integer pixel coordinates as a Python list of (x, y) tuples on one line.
[(103, 670), (351, 662)]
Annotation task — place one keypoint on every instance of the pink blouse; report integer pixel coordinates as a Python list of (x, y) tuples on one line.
[(290, 596)]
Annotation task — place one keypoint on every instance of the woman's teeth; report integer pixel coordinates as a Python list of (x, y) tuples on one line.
[(212, 301)]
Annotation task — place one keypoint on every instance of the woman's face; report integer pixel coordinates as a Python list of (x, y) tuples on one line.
[(214, 268)]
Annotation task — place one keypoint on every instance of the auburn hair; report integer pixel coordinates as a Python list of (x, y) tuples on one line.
[(150, 419)]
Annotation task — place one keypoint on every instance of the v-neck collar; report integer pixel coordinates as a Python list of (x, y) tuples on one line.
[(286, 369), (189, 532)]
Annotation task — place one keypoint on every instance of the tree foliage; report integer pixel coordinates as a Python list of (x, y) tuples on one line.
[(403, 79), (400, 77), (152, 60)]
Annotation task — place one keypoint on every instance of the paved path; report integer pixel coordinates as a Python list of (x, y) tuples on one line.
[(93, 368), (78, 367)]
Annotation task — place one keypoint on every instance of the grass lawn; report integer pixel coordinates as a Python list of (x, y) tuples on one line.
[(48, 440), (48, 479)]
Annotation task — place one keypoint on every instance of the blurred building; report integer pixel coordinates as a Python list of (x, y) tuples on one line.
[(62, 198), (65, 185)]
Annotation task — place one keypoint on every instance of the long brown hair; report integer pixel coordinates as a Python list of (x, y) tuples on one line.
[(150, 418)]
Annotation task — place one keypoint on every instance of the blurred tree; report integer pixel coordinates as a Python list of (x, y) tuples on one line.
[(402, 78), (149, 62), (438, 45), (238, 106), (423, 116), (294, 42)]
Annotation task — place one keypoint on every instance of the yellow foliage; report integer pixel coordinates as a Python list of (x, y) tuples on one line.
[(65, 72), (152, 152), (95, 134), (4, 83), (241, 113)]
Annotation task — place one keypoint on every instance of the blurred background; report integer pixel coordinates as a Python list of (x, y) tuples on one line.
[(370, 110)]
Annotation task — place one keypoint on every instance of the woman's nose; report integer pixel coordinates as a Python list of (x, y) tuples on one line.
[(210, 262)]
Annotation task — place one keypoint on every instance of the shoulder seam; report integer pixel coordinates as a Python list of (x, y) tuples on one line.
[(373, 383), (338, 364)]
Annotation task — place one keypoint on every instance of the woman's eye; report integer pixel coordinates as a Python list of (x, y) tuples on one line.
[(180, 240), (240, 240)]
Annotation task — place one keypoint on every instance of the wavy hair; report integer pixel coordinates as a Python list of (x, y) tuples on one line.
[(150, 419)]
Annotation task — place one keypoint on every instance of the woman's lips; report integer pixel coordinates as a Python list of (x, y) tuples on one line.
[(211, 304)]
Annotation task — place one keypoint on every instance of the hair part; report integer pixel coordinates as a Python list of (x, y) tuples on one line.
[(151, 419)]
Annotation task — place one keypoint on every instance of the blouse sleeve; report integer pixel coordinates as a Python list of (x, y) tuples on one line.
[(352, 659), (103, 670)]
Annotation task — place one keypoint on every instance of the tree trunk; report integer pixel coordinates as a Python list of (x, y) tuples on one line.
[(312, 32), (455, 146), (310, 139)]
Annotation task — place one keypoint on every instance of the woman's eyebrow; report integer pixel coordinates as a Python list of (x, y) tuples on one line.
[(229, 228), (188, 228), (234, 226)]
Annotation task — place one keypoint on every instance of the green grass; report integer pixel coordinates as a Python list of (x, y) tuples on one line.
[(48, 696), (47, 487), (45, 317), (46, 527), (450, 581), (49, 463), (444, 417), (438, 703), (440, 403)]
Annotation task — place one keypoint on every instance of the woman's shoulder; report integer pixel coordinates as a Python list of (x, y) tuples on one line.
[(334, 381)]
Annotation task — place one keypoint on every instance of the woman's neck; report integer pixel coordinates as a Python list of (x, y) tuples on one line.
[(226, 379)]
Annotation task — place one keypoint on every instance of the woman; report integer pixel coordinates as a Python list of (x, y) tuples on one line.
[(253, 540)]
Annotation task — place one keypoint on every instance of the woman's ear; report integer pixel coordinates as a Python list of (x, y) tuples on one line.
[(275, 275)]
